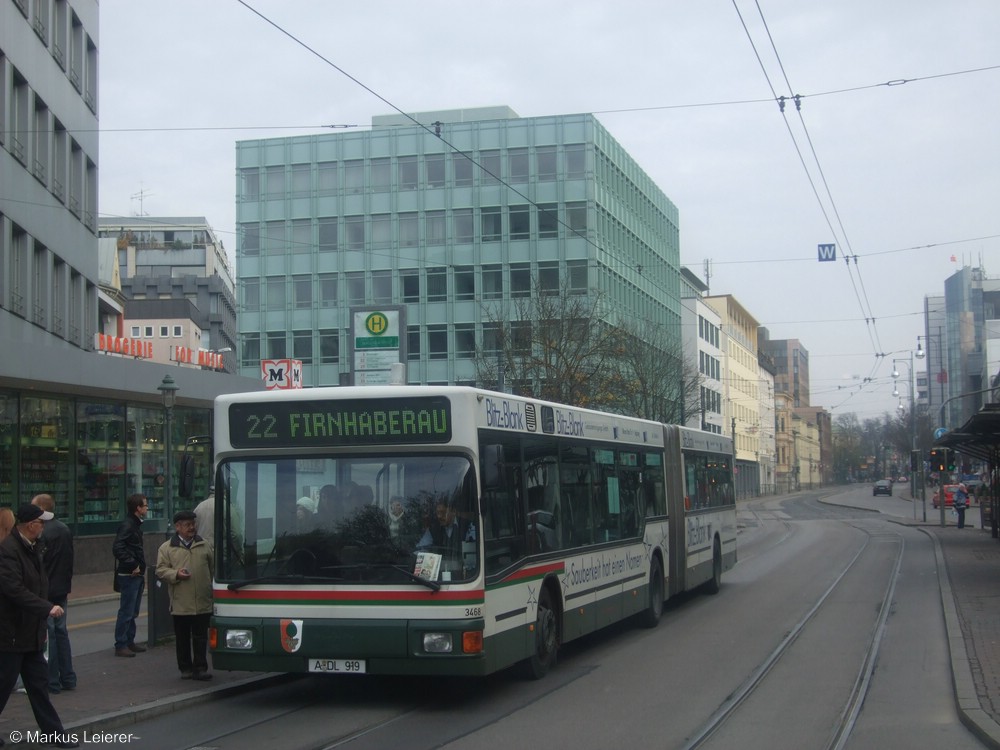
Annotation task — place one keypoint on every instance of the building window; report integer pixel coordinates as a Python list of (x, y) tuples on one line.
[(275, 237), (177, 332), (437, 342), (301, 181), (413, 342), (461, 167), (492, 282), (576, 217), (465, 340), (548, 278), (435, 227), (354, 176), (409, 280), (328, 290), (545, 158), (491, 338), (465, 283), (301, 236), (250, 350), (355, 288), (409, 230), (276, 346), (408, 171), (354, 229), (577, 271), (327, 234), (164, 332), (302, 346), (434, 164), (520, 280), (136, 332), (490, 224), (250, 239), (520, 222), (250, 184), (329, 347), (381, 231), (576, 161), (381, 287), (275, 293), (302, 289), (517, 165), (326, 178), (464, 227), (490, 172), (520, 338), (437, 285), (275, 182), (149, 332), (381, 175), (548, 220)]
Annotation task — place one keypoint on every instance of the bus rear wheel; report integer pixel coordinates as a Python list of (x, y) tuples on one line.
[(654, 607), (714, 584), (543, 657)]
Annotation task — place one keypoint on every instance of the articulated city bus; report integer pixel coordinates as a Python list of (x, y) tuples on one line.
[(450, 530)]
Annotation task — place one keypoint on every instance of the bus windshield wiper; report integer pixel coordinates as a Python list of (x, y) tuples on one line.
[(282, 579), (433, 585)]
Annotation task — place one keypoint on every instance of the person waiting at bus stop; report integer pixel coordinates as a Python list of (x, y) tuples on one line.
[(186, 564), (961, 500)]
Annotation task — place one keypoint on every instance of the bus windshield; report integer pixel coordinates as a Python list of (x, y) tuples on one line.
[(352, 520)]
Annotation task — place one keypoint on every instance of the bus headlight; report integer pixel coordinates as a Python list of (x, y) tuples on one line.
[(437, 643), (239, 639)]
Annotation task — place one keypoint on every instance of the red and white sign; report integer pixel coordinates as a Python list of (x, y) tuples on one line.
[(281, 374), (185, 355), (124, 346)]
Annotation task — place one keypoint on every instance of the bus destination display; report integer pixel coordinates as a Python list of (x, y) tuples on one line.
[(370, 421)]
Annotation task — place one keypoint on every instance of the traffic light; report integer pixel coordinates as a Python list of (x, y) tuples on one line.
[(935, 460)]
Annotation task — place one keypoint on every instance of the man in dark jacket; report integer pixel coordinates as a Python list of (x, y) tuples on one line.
[(57, 557), (24, 610), (130, 572)]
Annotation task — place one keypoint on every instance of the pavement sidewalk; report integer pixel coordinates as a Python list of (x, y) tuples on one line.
[(115, 693)]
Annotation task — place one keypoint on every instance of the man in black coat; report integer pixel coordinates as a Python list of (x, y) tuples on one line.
[(130, 572), (57, 556), (24, 611)]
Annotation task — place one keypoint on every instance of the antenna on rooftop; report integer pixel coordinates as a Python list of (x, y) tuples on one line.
[(140, 196), (708, 275)]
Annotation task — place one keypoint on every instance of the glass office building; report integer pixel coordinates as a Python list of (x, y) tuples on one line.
[(467, 209)]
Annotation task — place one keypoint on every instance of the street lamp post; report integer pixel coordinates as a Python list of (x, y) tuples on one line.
[(913, 431), (168, 391), (159, 622)]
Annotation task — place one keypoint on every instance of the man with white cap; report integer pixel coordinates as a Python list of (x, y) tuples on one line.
[(24, 613)]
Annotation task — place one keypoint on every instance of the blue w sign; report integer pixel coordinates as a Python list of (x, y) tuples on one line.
[(826, 252)]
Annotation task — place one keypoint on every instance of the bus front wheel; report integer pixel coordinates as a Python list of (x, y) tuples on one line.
[(543, 656)]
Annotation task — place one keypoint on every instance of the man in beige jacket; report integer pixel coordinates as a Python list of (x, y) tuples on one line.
[(185, 562)]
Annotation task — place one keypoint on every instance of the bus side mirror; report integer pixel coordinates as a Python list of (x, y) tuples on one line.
[(491, 460)]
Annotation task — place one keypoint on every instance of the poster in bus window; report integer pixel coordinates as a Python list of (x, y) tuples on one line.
[(428, 565)]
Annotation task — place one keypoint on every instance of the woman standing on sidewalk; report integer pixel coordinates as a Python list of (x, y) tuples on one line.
[(961, 501)]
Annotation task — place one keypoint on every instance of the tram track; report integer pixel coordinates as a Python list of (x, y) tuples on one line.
[(851, 709)]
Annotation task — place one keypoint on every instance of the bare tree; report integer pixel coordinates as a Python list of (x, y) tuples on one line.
[(654, 379), (553, 345)]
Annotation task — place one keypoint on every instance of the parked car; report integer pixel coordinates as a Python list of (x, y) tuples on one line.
[(882, 487), (949, 495)]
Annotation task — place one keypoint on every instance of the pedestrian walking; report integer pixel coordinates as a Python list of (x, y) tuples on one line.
[(57, 557), (24, 611), (961, 500), (185, 563), (130, 572)]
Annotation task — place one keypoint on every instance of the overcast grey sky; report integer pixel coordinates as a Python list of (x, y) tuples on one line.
[(904, 178)]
